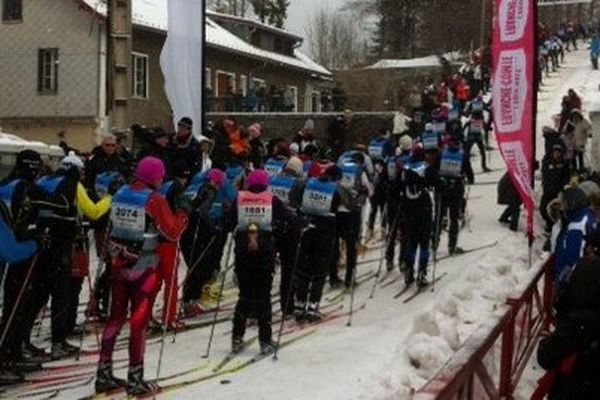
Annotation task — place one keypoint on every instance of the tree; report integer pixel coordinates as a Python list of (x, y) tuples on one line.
[(233, 7), (335, 39), (273, 12)]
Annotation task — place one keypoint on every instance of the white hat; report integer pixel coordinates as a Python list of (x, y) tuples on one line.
[(72, 160), (294, 148), (406, 142)]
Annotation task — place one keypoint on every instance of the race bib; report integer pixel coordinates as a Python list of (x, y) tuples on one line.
[(255, 208), (318, 197), (430, 140), (349, 175), (477, 126), (128, 214), (451, 164), (274, 167), (281, 186)]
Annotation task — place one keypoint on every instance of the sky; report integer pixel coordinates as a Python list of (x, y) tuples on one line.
[(301, 10)]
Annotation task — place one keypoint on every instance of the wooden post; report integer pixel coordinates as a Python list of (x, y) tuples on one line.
[(119, 62)]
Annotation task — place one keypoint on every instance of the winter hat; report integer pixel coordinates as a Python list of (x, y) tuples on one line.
[(150, 170), (429, 127), (573, 199), (258, 179), (28, 164), (254, 131), (72, 160), (216, 176), (294, 165), (186, 122), (294, 149), (406, 143), (590, 188)]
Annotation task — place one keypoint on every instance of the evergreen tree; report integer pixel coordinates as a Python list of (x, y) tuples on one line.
[(273, 12)]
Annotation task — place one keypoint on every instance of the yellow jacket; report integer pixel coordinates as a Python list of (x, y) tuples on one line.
[(87, 207)]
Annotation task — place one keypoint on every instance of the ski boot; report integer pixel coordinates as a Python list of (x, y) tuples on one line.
[(299, 311), (312, 313), (422, 280), (106, 381), (454, 251), (136, 385), (389, 265), (63, 350), (409, 276), (267, 347), (237, 344), (35, 354)]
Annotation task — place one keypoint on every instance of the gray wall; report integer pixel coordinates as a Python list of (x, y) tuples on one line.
[(49, 24)]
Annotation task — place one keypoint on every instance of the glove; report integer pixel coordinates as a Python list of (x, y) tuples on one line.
[(183, 203), (115, 184)]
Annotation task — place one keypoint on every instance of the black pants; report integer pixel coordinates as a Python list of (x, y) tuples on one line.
[(102, 288), (377, 204), (315, 257), (76, 285), (452, 205), (54, 282), (255, 278), (393, 229), (479, 143), (348, 230), (287, 244), (15, 335), (210, 248), (511, 215), (417, 225)]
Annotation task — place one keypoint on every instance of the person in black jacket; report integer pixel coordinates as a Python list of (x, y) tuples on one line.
[(337, 133), (105, 158), (571, 353), (185, 148), (508, 196), (555, 175)]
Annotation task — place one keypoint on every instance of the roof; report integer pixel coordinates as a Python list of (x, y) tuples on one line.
[(153, 14), (422, 62), (264, 26)]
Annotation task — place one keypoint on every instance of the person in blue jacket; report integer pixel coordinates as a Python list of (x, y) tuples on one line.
[(578, 223), (595, 50), (11, 252)]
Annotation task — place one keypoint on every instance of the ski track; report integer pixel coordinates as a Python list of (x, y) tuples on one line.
[(391, 348)]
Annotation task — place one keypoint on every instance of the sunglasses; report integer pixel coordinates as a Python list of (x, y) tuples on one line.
[(109, 145)]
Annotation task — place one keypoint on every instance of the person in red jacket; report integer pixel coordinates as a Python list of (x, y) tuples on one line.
[(141, 218), (574, 100)]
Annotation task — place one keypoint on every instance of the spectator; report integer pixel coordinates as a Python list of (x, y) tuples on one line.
[(574, 100), (257, 148), (105, 158), (581, 130), (185, 148), (555, 175), (509, 196), (338, 133), (305, 136)]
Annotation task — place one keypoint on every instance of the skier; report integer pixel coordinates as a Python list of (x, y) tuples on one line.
[(288, 187), (416, 219), (595, 50), (349, 219), (322, 197), (205, 237), (255, 216), (393, 199), (140, 216), (476, 127), (61, 217), (452, 167)]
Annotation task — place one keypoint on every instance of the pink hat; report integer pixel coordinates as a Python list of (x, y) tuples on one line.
[(258, 179), (216, 176), (150, 170)]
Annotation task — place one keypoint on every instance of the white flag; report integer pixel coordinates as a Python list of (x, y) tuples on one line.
[(181, 60)]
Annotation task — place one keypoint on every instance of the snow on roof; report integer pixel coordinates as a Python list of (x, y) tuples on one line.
[(268, 27), (422, 62), (13, 144), (153, 14)]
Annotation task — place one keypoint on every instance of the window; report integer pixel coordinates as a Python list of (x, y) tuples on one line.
[(12, 10), (291, 99), (225, 83), (47, 71), (140, 75), (316, 101), (208, 78)]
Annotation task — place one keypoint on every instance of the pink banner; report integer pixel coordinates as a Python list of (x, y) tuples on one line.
[(513, 55)]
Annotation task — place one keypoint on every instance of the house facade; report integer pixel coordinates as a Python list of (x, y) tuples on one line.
[(53, 72)]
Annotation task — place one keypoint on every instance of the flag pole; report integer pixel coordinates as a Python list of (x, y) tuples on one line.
[(535, 85)]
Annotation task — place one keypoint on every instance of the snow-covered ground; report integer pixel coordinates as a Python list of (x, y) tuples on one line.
[(392, 348)]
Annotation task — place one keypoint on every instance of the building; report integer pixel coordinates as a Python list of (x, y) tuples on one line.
[(53, 73)]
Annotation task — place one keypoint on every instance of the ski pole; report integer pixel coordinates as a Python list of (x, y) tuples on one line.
[(290, 290), (221, 287), (19, 297), (438, 218), (353, 285), (383, 250), (165, 327)]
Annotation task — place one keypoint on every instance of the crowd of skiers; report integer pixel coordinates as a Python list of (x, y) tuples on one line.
[(298, 200)]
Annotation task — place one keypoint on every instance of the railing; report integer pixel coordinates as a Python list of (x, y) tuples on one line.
[(477, 371)]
